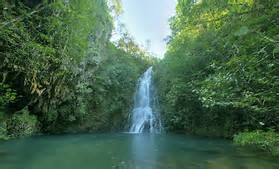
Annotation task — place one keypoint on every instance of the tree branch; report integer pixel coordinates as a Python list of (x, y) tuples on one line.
[(37, 9)]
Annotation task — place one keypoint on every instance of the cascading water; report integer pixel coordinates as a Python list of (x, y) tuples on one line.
[(145, 116)]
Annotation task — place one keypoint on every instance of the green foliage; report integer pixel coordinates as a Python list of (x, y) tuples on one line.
[(3, 127), (247, 83), (57, 63), (20, 124), (266, 141), (102, 102), (116, 7), (219, 75), (127, 43), (7, 95)]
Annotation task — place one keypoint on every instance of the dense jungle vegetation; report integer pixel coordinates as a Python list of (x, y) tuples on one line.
[(219, 76), (59, 72)]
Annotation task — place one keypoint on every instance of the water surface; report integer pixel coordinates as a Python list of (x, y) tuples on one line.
[(129, 151)]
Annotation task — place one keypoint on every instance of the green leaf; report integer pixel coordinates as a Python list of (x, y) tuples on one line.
[(242, 31)]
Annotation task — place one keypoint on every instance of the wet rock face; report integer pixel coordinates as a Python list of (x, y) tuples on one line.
[(146, 128)]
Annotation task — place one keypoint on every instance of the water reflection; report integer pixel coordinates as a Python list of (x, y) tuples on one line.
[(144, 151)]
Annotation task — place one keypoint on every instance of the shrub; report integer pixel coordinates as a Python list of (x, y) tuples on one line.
[(3, 127), (266, 141), (22, 124)]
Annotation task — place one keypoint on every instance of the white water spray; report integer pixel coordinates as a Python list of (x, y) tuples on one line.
[(145, 116)]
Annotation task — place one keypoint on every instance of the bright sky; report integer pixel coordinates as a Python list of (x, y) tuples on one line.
[(148, 20)]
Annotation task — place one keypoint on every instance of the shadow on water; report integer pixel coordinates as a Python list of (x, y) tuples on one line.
[(129, 151)]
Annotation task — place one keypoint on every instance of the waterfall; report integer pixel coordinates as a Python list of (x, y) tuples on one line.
[(145, 116)]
